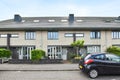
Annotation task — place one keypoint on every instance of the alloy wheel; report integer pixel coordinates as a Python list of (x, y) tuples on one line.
[(93, 73)]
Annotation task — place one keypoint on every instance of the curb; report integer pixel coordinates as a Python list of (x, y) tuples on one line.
[(44, 70)]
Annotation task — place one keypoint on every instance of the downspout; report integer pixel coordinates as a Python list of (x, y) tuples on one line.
[(8, 41)]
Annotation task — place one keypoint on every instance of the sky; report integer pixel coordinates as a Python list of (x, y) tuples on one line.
[(38, 8)]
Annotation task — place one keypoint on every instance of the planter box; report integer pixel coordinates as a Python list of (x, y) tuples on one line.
[(42, 61)]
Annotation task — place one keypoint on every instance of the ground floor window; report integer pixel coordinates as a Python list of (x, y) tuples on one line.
[(25, 52), (54, 52), (93, 49)]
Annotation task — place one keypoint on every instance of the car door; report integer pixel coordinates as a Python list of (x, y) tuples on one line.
[(99, 61), (112, 64)]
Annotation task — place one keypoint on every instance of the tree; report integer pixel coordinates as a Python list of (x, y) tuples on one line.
[(78, 44)]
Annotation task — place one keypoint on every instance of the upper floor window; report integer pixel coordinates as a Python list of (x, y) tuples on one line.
[(115, 34), (95, 34), (11, 35), (52, 35), (76, 34), (30, 35)]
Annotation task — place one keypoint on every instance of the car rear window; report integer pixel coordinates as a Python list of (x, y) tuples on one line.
[(99, 57), (88, 56)]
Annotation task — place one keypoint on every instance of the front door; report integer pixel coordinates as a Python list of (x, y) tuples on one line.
[(14, 53), (64, 54)]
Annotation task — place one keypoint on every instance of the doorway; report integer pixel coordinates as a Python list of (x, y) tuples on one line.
[(25, 52)]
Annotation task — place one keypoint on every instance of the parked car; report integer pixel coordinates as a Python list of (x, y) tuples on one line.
[(100, 63)]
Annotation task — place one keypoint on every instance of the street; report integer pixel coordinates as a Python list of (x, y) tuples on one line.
[(46, 72), (50, 75)]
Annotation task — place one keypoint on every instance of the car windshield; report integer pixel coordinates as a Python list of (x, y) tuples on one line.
[(112, 57)]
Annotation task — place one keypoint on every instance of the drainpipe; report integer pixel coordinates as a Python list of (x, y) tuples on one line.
[(74, 37), (8, 41)]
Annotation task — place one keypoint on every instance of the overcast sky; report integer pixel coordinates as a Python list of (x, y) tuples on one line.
[(37, 8)]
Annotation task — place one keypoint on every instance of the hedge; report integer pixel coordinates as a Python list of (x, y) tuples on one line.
[(114, 50), (5, 53)]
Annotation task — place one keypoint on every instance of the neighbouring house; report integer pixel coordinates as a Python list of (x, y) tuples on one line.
[(55, 34)]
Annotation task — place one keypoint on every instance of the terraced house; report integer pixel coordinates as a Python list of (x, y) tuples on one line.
[(55, 34)]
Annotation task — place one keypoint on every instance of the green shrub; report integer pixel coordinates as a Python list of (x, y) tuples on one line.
[(77, 57), (72, 55), (114, 50), (37, 54), (5, 53)]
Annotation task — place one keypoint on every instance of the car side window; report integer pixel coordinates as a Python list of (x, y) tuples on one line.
[(100, 57), (111, 57)]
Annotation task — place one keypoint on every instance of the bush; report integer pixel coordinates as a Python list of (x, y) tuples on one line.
[(37, 54), (72, 55), (77, 57), (114, 50), (5, 53)]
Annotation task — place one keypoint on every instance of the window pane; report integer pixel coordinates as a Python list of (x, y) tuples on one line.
[(52, 35), (79, 35), (93, 49), (68, 35), (116, 34), (30, 35), (95, 35)]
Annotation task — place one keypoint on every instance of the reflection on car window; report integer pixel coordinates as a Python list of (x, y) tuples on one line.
[(88, 56), (112, 57), (100, 57)]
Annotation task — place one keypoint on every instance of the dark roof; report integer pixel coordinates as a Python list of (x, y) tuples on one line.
[(61, 23)]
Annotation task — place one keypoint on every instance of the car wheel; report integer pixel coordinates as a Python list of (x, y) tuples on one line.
[(93, 73)]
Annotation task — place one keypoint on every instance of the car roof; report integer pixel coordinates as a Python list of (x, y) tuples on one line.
[(94, 54), (97, 53)]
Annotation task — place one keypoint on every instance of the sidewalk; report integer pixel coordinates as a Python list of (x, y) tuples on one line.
[(39, 67)]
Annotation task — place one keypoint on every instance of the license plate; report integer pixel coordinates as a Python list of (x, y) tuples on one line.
[(80, 67)]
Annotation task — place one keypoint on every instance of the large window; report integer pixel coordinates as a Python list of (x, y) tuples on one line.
[(115, 34), (95, 34), (30, 35), (76, 34), (93, 49), (11, 35), (53, 35), (55, 52)]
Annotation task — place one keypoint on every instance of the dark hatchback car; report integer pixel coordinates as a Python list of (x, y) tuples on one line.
[(100, 63)]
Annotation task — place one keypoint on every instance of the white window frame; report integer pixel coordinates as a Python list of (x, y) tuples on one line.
[(30, 35)]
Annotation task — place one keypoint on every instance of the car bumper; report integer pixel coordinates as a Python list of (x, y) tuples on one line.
[(84, 68)]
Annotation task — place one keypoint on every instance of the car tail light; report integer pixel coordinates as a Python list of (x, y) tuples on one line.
[(88, 61)]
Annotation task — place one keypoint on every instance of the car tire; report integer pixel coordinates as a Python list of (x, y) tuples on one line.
[(93, 73)]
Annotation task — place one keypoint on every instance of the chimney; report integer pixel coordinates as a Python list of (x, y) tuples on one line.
[(17, 18), (71, 18)]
